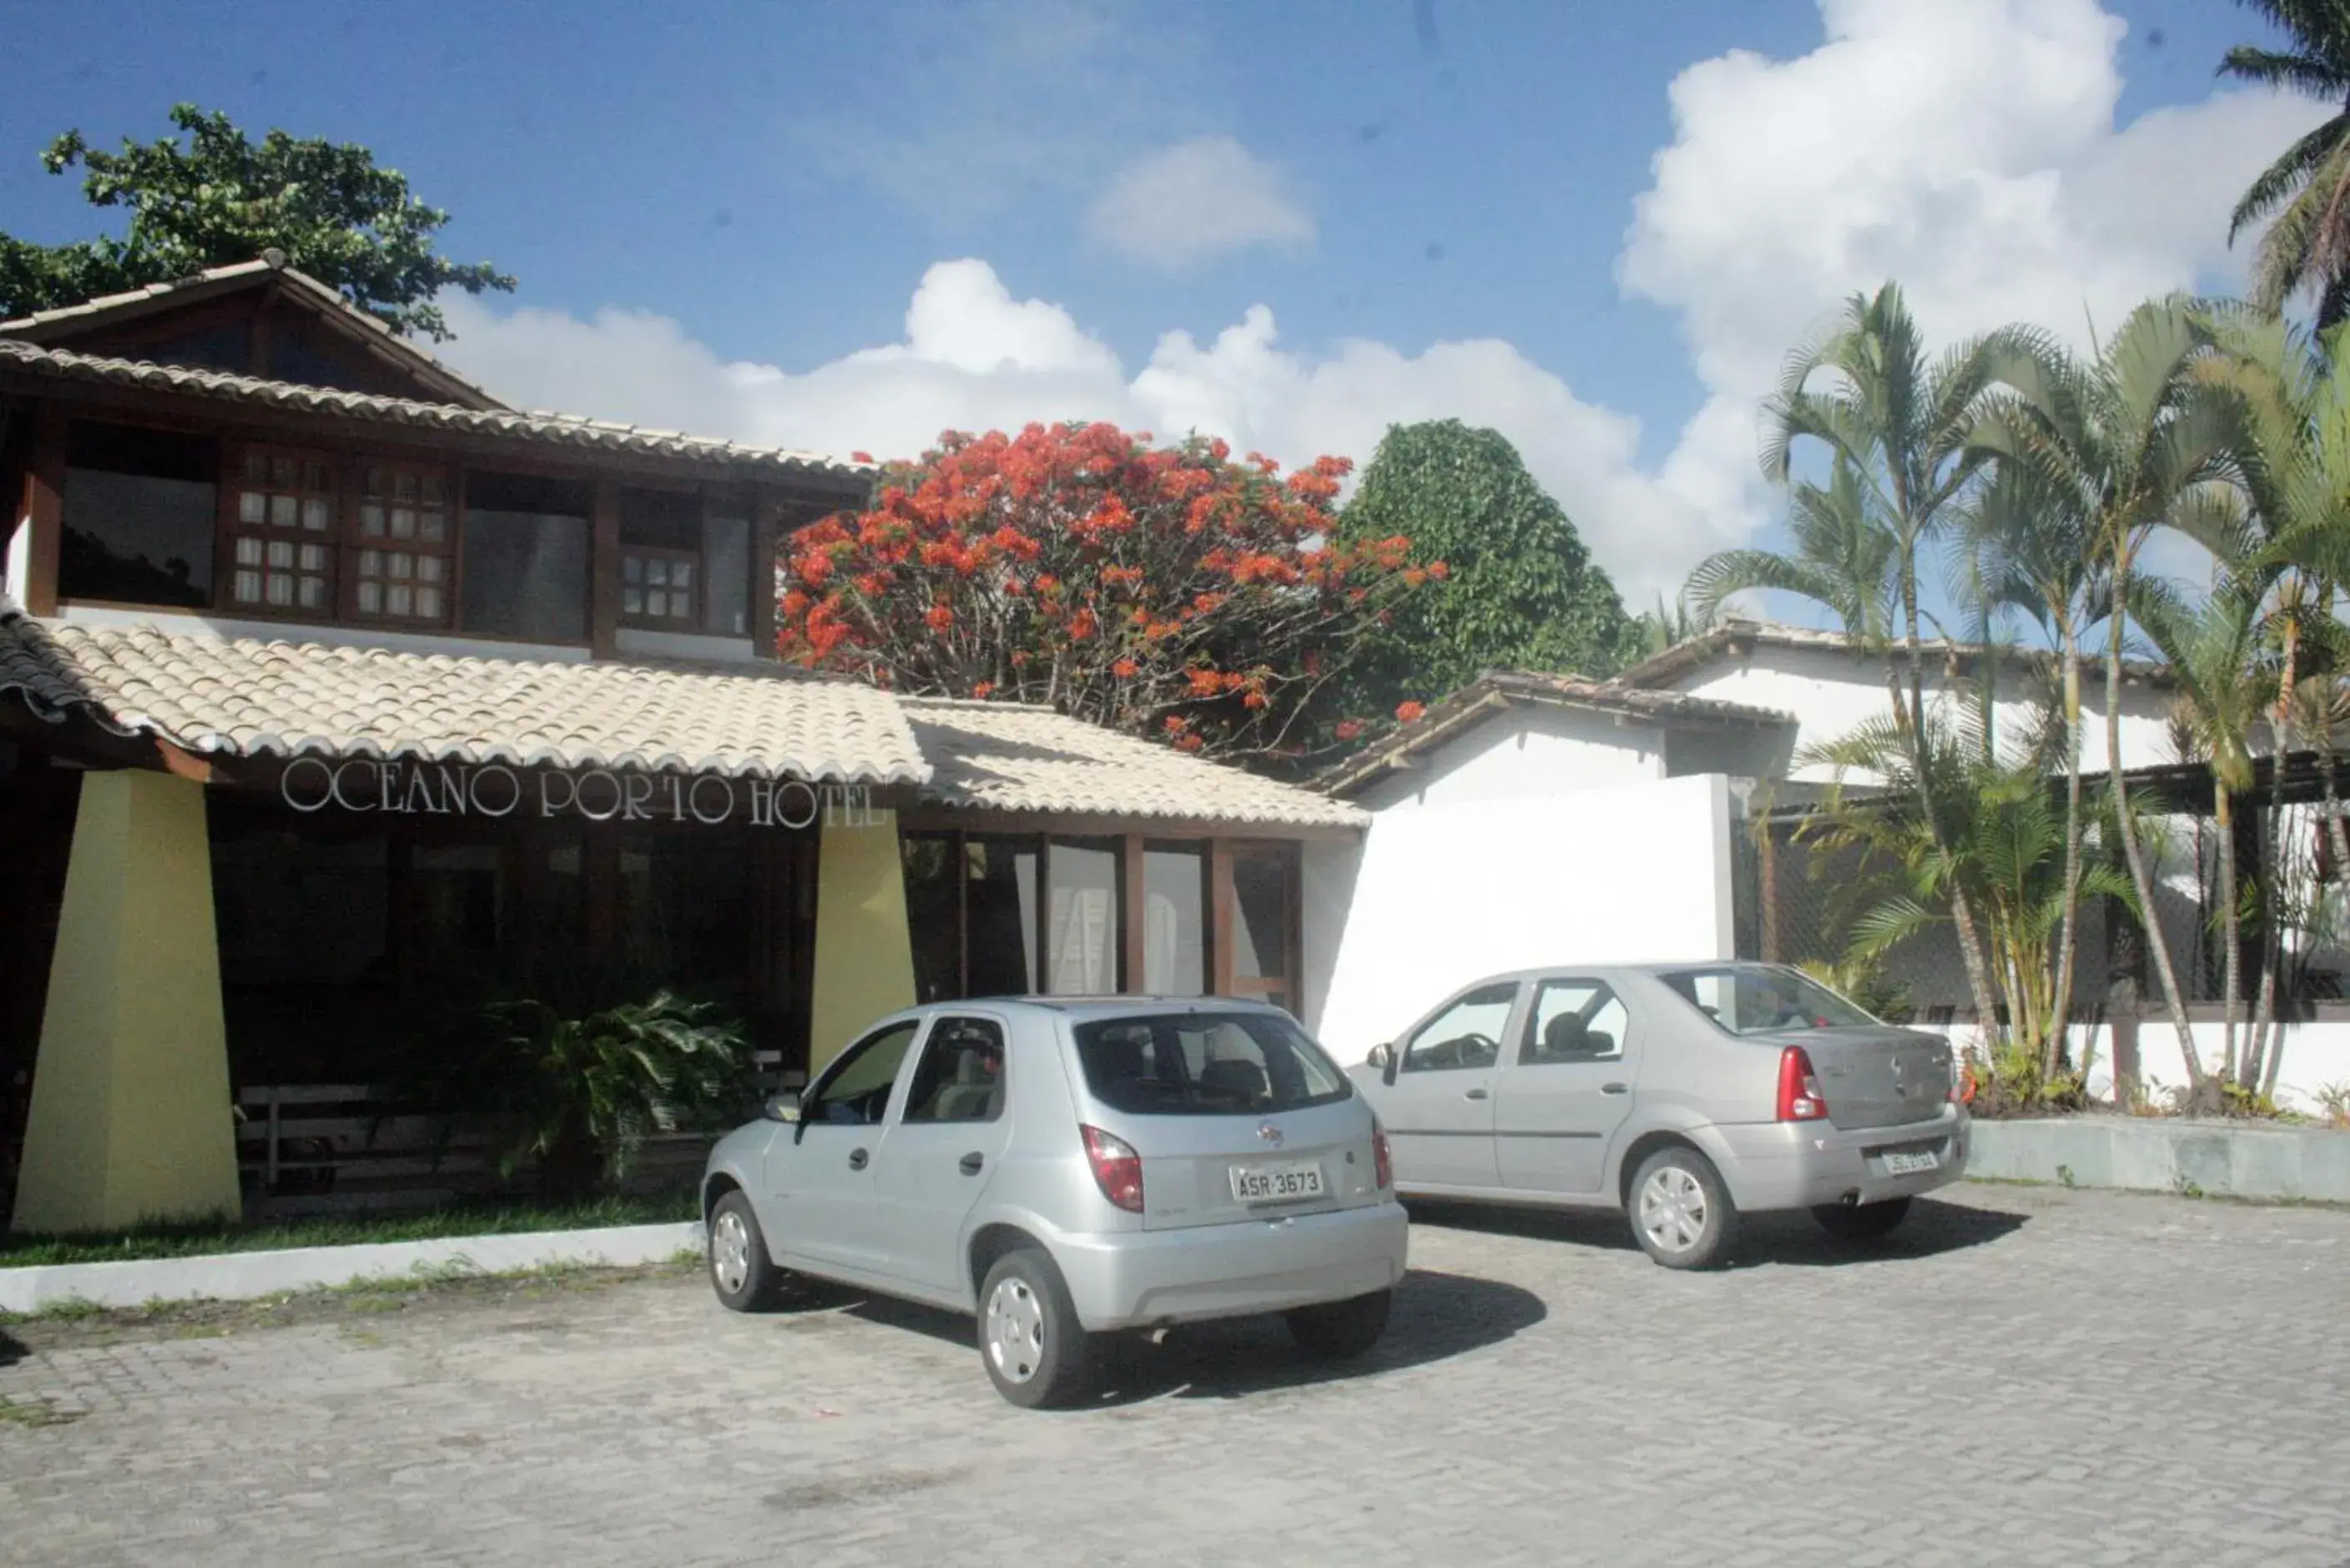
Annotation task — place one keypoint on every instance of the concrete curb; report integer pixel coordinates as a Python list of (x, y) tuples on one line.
[(240, 1276), (2217, 1159)]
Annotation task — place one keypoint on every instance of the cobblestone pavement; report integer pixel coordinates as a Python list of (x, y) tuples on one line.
[(2028, 1375)]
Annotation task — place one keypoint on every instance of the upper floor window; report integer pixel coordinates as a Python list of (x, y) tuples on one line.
[(684, 566), (281, 532), (406, 544)]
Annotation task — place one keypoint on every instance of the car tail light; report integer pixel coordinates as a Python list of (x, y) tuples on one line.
[(1117, 1169), (1382, 1165), (1799, 1090)]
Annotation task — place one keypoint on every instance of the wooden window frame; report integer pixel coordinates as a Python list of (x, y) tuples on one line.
[(360, 543), (644, 555), (231, 527), (344, 539)]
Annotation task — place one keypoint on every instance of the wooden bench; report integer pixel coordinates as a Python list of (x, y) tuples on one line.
[(316, 1149)]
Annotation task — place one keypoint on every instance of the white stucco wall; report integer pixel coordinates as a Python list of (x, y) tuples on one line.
[(1528, 753), (1832, 693), (1451, 886)]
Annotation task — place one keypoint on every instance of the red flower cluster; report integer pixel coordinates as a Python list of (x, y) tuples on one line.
[(1167, 590)]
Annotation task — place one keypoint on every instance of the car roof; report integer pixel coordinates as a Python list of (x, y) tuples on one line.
[(1087, 1007), (1549, 971)]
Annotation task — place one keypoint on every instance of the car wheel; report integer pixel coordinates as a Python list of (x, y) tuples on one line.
[(1681, 1212), (1340, 1331), (1861, 1222), (742, 1273), (1036, 1352)]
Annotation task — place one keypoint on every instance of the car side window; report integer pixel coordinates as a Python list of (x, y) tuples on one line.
[(1573, 1021), (960, 1075), (1466, 1035), (857, 1087)]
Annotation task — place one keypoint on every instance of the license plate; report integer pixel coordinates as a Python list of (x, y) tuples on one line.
[(1911, 1164), (1280, 1183)]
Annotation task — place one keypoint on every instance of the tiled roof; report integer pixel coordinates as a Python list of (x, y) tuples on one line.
[(327, 303), (246, 698), (1501, 688), (1010, 757), (1737, 636), (570, 430), (228, 697)]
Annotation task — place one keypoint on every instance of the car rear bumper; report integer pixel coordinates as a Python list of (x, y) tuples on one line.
[(1145, 1279), (1799, 1165)]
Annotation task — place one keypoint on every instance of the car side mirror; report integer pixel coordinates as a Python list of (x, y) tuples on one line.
[(1380, 1057), (784, 1106)]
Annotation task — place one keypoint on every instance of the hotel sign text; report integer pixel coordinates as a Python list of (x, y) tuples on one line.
[(599, 795)]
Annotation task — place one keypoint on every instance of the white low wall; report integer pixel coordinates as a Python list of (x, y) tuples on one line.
[(240, 1276), (2316, 1056), (2211, 1160), (1440, 893)]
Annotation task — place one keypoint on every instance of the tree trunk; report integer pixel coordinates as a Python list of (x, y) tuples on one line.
[(1971, 952), (2264, 1026), (2141, 878), (2232, 958), (2068, 935)]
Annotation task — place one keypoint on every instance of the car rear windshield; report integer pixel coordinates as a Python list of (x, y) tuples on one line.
[(1206, 1064), (1757, 999)]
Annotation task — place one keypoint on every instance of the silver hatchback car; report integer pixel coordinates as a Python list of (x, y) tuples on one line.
[(1066, 1169), (1685, 1094)]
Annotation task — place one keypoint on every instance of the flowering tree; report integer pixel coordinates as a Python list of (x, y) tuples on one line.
[(1161, 590)]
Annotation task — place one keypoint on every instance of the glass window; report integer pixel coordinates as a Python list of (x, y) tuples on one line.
[(1000, 909), (960, 1076), (934, 914), (1260, 959), (1083, 951), (1574, 1021), (660, 558), (726, 587), (1174, 923), (526, 558), (140, 510), (1758, 999), (406, 544), (1466, 1035), (856, 1088), (282, 530), (1206, 1064), (682, 899)]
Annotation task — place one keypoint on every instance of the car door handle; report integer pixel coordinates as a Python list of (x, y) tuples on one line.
[(971, 1163), (1474, 1094), (857, 1158), (1614, 1088)]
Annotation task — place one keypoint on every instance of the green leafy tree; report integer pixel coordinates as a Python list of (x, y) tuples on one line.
[(2136, 436), (1522, 592), (216, 199), (2305, 193)]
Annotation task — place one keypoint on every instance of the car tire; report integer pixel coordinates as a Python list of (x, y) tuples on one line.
[(1861, 1222), (1681, 1209), (1340, 1331), (742, 1273), (1036, 1352)]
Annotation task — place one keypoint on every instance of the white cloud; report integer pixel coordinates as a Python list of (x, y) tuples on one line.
[(974, 358), (1968, 148), (1195, 202)]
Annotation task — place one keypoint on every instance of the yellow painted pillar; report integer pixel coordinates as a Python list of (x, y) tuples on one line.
[(130, 1117), (864, 949)]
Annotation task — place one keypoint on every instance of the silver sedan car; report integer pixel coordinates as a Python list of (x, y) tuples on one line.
[(1066, 1169), (1684, 1093)]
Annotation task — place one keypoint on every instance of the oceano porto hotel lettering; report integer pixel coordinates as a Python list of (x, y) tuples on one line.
[(599, 795)]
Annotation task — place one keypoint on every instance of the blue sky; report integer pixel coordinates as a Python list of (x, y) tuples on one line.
[(1592, 225)]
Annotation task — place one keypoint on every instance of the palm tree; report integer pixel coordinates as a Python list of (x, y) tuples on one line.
[(1997, 833), (2306, 248), (2216, 654), (2034, 554), (2133, 435), (1899, 421)]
